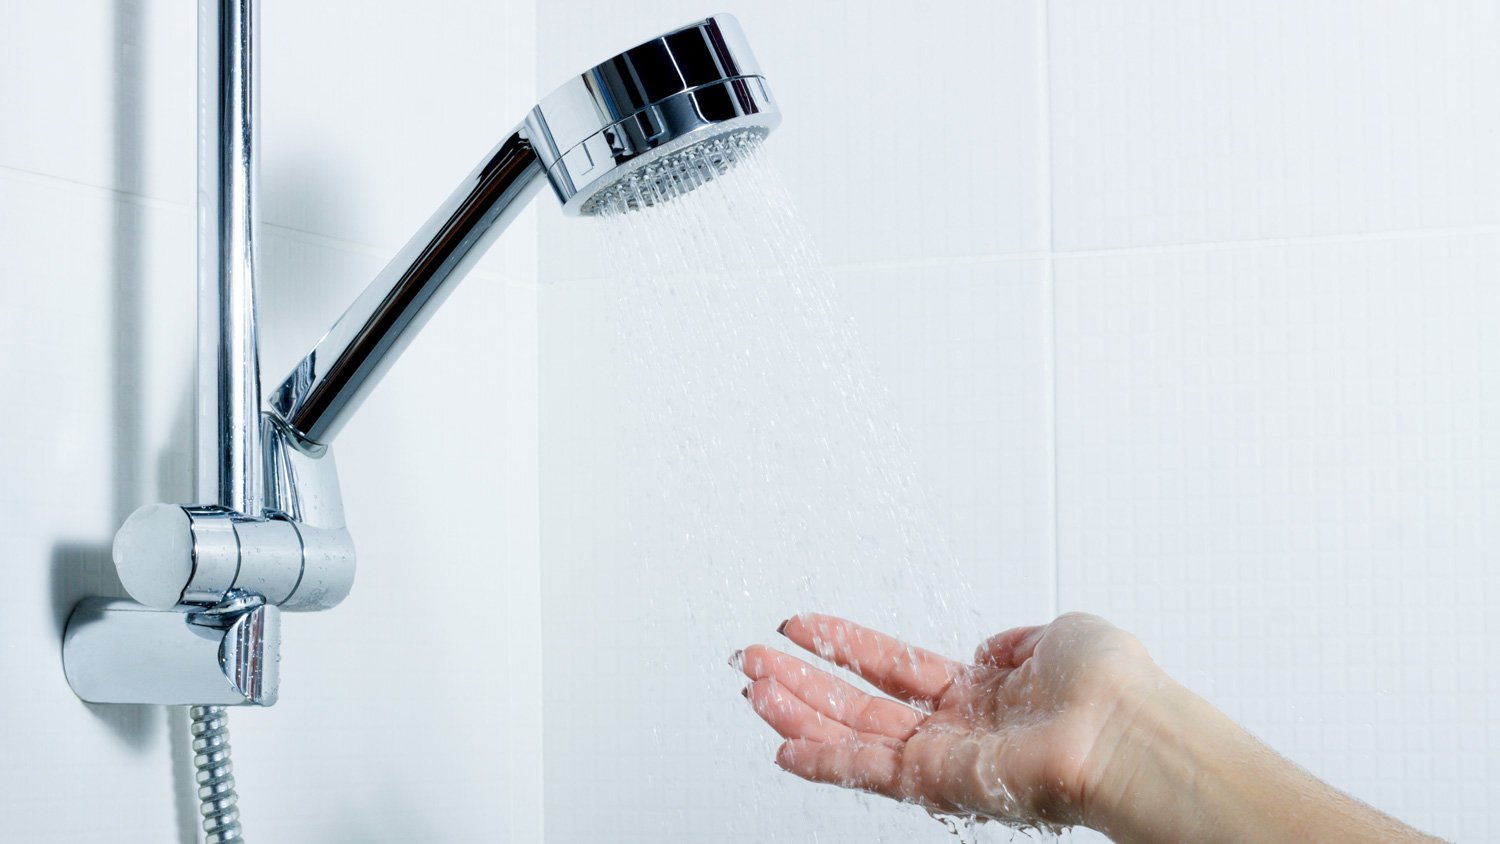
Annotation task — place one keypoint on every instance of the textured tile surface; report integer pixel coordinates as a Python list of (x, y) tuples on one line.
[(1187, 121), (1278, 465)]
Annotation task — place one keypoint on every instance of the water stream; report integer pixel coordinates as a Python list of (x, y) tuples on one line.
[(766, 475)]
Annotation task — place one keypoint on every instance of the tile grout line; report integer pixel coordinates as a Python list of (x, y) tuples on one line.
[(37, 177), (1049, 352), (1293, 240), (1050, 256), (303, 236)]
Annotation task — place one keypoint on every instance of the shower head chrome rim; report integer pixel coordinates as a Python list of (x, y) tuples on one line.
[(691, 85)]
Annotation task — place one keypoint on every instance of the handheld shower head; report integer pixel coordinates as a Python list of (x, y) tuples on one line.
[(648, 125), (672, 93), (688, 99)]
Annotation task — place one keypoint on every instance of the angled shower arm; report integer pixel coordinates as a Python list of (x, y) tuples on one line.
[(328, 385)]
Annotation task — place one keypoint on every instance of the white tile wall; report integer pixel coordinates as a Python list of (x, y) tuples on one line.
[(961, 349), (1276, 461), (1279, 465), (392, 100), (92, 336), (1188, 121), (102, 94)]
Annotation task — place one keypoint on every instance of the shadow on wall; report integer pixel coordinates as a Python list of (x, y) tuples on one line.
[(81, 569), (309, 270), (84, 568)]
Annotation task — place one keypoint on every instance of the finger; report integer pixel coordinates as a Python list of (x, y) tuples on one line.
[(851, 764), (1009, 649), (831, 696), (790, 716), (891, 665)]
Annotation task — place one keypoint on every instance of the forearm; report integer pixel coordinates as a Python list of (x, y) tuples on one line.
[(1174, 768)]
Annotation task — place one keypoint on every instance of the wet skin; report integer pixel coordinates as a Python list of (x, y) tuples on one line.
[(1015, 735), (1067, 723)]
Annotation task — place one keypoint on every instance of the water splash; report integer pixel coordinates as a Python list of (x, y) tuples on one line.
[(767, 475)]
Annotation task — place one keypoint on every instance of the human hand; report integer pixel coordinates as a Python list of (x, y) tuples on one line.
[(1023, 735)]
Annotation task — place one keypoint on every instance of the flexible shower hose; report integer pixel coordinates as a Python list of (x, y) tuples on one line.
[(221, 814)]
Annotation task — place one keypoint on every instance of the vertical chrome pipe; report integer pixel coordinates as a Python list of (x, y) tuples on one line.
[(229, 462), (229, 458)]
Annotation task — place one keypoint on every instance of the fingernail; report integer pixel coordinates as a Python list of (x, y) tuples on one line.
[(781, 628), (736, 659)]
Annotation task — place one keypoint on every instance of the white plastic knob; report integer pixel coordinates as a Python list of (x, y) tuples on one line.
[(154, 554)]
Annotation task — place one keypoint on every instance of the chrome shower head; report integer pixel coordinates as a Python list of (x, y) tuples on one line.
[(647, 106)]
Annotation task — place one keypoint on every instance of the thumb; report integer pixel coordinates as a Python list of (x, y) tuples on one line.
[(1008, 649)]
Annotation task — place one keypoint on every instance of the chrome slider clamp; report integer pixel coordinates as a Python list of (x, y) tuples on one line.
[(209, 586), (169, 555)]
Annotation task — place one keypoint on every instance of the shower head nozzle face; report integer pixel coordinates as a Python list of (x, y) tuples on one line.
[(670, 95)]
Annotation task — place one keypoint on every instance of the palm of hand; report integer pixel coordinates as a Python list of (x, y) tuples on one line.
[(1011, 737)]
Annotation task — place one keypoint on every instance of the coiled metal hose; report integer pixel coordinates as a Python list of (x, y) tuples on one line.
[(220, 805)]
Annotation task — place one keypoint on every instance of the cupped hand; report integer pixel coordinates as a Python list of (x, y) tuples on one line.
[(1021, 735)]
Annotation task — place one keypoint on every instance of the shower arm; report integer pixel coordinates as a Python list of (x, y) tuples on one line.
[(315, 401)]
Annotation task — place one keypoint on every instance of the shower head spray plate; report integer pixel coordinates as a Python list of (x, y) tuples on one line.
[(669, 94)]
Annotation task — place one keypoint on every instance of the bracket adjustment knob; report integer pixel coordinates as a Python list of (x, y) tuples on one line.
[(169, 555)]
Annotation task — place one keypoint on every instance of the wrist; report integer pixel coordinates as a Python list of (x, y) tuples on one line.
[(1172, 767), (1145, 772)]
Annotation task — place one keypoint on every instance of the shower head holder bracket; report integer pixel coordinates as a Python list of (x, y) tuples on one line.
[(209, 585)]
